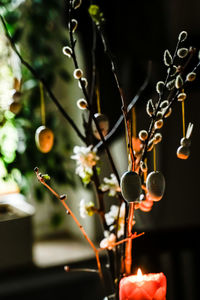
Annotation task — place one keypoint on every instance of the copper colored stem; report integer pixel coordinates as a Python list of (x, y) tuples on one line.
[(128, 250), (75, 220)]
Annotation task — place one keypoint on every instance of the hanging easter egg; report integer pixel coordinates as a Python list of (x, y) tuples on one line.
[(44, 139), (103, 124), (185, 142), (15, 107), (130, 186), (183, 152), (155, 184)]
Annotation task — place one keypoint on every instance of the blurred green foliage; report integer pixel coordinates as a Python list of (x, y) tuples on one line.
[(36, 29)]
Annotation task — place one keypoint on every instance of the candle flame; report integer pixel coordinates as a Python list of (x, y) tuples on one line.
[(139, 274)]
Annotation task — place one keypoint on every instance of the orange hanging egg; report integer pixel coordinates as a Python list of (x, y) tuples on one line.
[(183, 152), (44, 139)]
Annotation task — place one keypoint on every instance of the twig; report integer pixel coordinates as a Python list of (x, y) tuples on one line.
[(128, 250), (124, 104), (130, 106), (132, 237), (72, 43), (68, 269), (151, 127), (36, 75), (62, 198)]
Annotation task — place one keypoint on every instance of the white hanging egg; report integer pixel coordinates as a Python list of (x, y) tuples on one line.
[(155, 184), (130, 186)]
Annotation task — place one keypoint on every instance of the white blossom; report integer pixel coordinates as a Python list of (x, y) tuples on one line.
[(112, 216), (111, 185), (86, 208), (85, 158), (108, 241)]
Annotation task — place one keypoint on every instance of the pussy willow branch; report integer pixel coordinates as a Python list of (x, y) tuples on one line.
[(72, 43), (150, 130), (93, 80), (177, 92), (45, 85), (62, 198), (90, 105), (99, 195), (172, 101), (124, 104), (42, 181), (192, 52), (129, 107)]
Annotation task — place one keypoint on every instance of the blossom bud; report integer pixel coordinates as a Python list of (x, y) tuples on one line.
[(150, 108), (73, 25), (157, 138), (143, 166), (76, 3), (159, 124), (143, 134), (170, 85), (167, 58), (159, 115), (63, 197), (84, 82), (164, 104), (191, 76), (167, 112), (82, 104), (159, 87), (178, 82), (182, 52), (46, 177), (78, 73), (67, 51), (150, 145), (182, 36), (172, 70), (181, 96)]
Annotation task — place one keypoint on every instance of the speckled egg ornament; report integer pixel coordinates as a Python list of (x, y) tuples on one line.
[(131, 186), (155, 184)]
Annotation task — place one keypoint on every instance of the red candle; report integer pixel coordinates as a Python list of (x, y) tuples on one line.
[(143, 287)]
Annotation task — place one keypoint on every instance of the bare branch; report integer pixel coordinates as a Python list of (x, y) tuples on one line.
[(45, 85)]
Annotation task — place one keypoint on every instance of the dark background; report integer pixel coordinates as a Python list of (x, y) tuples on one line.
[(139, 32)]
